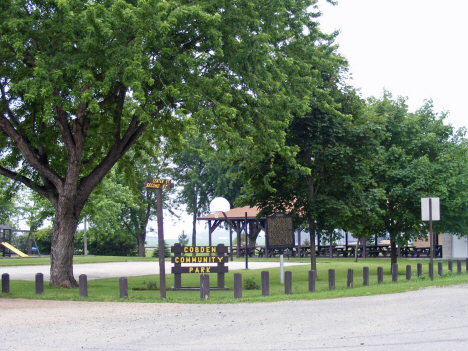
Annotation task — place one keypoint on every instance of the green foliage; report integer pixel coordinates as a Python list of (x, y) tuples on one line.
[(250, 284), (82, 81), (43, 240), (7, 201), (115, 243), (167, 250)]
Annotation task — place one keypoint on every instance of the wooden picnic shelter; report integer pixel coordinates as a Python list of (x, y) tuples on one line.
[(240, 219)]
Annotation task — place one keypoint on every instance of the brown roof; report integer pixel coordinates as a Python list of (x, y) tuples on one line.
[(236, 213)]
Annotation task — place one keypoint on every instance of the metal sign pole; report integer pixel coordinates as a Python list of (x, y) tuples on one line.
[(431, 240), (246, 242), (281, 268)]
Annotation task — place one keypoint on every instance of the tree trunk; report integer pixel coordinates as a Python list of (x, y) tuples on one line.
[(393, 250), (141, 238), (356, 250), (194, 227), (61, 254), (313, 259)]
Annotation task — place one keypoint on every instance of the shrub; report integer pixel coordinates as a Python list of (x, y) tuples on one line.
[(250, 284), (151, 284)]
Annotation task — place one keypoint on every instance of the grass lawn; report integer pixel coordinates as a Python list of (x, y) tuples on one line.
[(33, 261), (108, 289)]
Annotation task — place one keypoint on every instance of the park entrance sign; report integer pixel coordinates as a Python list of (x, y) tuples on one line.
[(159, 185), (203, 254)]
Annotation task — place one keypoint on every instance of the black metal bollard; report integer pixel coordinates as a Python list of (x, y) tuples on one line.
[(83, 279), (331, 279), (458, 266), (449, 264), (419, 269), (39, 283), (365, 276), (265, 283), (204, 286), (123, 288), (5, 283), (237, 285), (288, 282), (408, 272), (312, 279), (439, 268), (349, 282), (394, 272), (379, 275)]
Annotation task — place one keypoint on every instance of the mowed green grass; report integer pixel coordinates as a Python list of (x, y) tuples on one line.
[(108, 289)]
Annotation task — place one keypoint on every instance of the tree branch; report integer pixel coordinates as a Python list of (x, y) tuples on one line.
[(26, 181), (23, 146)]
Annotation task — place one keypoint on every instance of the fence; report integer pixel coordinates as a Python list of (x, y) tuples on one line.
[(265, 280)]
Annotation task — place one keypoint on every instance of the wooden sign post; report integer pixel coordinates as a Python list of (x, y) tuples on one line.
[(159, 185)]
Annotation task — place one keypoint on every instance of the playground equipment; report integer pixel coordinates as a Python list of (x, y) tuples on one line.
[(8, 238), (16, 251)]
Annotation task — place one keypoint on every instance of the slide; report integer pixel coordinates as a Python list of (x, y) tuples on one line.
[(16, 251)]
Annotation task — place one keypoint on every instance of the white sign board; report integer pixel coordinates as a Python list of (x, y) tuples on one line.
[(435, 206)]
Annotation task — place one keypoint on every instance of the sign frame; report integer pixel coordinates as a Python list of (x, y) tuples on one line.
[(289, 240)]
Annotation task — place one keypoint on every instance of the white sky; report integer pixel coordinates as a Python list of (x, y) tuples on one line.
[(412, 48)]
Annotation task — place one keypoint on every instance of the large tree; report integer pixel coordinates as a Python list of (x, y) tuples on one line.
[(81, 81), (421, 157), (322, 182)]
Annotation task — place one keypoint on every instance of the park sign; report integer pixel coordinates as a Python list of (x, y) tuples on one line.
[(200, 255), (279, 231), (154, 183)]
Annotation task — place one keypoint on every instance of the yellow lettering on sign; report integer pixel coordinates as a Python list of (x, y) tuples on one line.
[(191, 248), (190, 270), (205, 259), (197, 270), (176, 259), (208, 269), (213, 249), (220, 259), (186, 249), (202, 270), (202, 249)]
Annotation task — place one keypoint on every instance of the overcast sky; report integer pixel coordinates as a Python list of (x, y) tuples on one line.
[(412, 48)]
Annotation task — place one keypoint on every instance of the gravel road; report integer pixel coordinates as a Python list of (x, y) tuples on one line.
[(428, 319)]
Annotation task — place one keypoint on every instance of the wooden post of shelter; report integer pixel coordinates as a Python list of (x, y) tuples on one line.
[(159, 185)]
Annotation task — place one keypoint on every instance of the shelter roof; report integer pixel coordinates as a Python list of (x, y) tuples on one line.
[(237, 213), (5, 226)]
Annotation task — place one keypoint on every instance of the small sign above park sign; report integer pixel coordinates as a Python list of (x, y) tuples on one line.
[(154, 183)]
